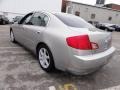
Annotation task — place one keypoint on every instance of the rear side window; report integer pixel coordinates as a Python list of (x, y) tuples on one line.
[(26, 18), (39, 19), (73, 21)]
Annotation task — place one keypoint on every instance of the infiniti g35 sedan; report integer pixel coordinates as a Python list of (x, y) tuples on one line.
[(63, 41)]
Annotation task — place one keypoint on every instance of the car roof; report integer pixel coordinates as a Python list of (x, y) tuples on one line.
[(47, 12)]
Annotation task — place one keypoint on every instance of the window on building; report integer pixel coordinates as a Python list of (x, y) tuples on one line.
[(69, 9), (92, 16), (86, 10), (109, 18), (77, 13)]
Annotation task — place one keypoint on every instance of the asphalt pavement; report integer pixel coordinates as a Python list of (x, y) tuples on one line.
[(20, 70)]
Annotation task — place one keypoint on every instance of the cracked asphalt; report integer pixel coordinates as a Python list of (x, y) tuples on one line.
[(20, 70)]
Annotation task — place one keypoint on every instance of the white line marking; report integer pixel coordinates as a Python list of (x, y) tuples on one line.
[(52, 88), (112, 88)]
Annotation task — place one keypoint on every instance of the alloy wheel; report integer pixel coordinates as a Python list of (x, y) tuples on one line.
[(44, 58)]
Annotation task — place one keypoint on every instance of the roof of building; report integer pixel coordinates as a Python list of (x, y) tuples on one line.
[(94, 6), (112, 4)]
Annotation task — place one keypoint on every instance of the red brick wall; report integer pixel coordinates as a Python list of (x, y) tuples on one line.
[(63, 5), (116, 7)]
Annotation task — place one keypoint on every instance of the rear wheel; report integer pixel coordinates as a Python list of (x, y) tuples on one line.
[(45, 58), (12, 38)]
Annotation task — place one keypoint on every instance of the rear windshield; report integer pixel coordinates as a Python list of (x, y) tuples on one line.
[(73, 21)]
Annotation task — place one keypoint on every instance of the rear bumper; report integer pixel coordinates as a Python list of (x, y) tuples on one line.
[(86, 64)]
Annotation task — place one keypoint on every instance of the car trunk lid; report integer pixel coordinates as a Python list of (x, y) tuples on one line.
[(101, 38)]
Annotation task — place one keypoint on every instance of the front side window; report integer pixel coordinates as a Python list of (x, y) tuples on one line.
[(26, 19), (73, 21), (39, 19)]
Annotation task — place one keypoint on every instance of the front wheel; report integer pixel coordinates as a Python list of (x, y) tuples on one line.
[(45, 58)]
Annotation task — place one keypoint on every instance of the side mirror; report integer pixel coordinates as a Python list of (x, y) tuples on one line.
[(19, 22)]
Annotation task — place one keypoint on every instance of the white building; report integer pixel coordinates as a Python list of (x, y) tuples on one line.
[(93, 13)]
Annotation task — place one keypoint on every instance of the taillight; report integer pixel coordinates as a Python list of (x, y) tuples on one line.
[(81, 42)]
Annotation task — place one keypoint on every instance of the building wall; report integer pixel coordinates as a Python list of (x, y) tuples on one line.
[(113, 6), (101, 15), (117, 7)]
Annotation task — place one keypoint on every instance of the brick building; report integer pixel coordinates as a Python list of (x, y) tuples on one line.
[(113, 6), (94, 13)]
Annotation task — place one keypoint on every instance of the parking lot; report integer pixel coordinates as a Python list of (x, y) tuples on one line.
[(20, 70)]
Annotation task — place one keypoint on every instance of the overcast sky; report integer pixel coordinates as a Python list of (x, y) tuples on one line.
[(94, 1), (24, 6)]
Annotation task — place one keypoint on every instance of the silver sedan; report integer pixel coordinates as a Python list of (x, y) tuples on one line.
[(63, 41)]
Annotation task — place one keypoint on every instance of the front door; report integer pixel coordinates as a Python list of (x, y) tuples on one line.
[(34, 29)]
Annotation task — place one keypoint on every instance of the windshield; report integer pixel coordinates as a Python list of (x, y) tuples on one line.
[(73, 21)]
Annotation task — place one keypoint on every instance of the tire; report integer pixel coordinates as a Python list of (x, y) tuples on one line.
[(45, 58), (12, 38)]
